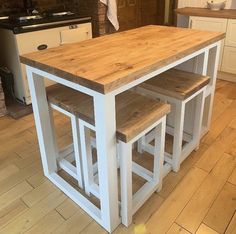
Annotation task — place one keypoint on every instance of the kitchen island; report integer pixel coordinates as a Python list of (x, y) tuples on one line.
[(103, 68)]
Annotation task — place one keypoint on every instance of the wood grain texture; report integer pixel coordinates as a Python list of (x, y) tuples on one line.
[(213, 154), (176, 229), (77, 103), (9, 212), (75, 224), (67, 209), (204, 229), (32, 216), (107, 63), (134, 112), (198, 206), (166, 215), (222, 210), (47, 224), (176, 83), (232, 178), (232, 226), (204, 12)]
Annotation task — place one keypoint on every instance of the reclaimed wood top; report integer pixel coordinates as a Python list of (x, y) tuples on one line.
[(107, 63), (205, 12), (134, 112), (176, 83)]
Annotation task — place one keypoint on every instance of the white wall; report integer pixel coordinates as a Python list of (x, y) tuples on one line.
[(202, 3)]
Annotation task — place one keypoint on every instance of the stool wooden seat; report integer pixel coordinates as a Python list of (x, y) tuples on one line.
[(177, 88), (136, 115), (77, 103), (176, 83), (138, 112)]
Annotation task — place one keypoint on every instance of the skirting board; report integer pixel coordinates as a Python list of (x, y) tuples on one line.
[(226, 76)]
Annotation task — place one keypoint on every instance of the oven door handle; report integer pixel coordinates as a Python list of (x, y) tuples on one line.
[(42, 47)]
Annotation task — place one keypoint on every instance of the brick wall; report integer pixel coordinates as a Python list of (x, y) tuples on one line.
[(90, 7)]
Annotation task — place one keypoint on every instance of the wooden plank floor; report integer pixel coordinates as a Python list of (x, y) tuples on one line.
[(200, 199)]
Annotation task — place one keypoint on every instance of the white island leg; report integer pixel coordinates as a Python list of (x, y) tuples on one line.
[(44, 127), (105, 123)]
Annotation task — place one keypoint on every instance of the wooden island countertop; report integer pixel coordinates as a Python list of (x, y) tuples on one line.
[(106, 63), (205, 12)]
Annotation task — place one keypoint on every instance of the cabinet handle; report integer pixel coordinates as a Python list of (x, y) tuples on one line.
[(191, 24), (42, 47)]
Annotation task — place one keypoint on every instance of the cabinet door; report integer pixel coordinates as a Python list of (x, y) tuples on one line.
[(231, 33), (32, 41), (210, 24), (75, 35), (229, 58)]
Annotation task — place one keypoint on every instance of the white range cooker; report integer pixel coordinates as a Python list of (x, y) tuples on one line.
[(25, 34)]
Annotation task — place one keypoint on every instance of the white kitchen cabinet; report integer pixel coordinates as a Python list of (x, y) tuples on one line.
[(32, 41), (19, 44), (210, 24), (231, 33), (75, 35), (229, 60)]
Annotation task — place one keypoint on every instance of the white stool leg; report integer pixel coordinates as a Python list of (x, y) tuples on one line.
[(159, 153), (197, 129), (125, 151), (141, 143), (178, 135), (77, 151), (86, 154), (50, 110)]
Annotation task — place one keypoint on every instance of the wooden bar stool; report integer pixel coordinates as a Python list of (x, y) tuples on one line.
[(61, 98), (136, 115), (177, 88), (136, 120)]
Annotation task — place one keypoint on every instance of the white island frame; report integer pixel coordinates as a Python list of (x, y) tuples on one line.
[(205, 61)]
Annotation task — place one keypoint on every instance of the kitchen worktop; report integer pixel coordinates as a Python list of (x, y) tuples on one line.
[(107, 63), (204, 12)]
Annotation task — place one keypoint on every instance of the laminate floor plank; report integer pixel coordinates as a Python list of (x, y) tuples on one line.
[(37, 179), (39, 193), (15, 193), (222, 209), (213, 154), (18, 177), (204, 229), (47, 224), (172, 180), (75, 224), (233, 123), (176, 229), (11, 211), (8, 171), (67, 208), (220, 123), (32, 216), (193, 214), (231, 229), (162, 220), (221, 104), (93, 227), (232, 178)]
